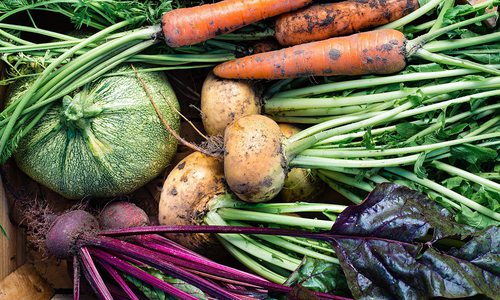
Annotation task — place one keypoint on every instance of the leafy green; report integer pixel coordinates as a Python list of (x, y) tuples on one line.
[(386, 253), (320, 276), (474, 155), (3, 231), (153, 293)]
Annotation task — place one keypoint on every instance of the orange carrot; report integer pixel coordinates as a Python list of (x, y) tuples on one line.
[(322, 21), (188, 26), (376, 52)]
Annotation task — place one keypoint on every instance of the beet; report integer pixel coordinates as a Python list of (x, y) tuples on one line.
[(122, 214), (64, 232)]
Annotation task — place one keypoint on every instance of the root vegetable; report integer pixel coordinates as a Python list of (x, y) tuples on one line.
[(300, 184), (188, 26), (185, 198), (322, 21), (382, 51), (224, 100), (254, 160), (122, 214)]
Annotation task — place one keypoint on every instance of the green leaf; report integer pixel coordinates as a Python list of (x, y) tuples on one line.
[(156, 294), (475, 155), (407, 130), (320, 276), (419, 168), (474, 218), (3, 231)]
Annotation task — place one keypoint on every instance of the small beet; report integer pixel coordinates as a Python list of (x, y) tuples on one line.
[(122, 214), (66, 229)]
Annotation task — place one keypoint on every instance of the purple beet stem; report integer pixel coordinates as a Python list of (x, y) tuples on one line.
[(93, 276), (76, 278), (116, 276), (214, 229), (209, 266), (141, 275), (149, 256)]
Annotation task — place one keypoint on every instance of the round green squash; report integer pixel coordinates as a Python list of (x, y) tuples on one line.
[(103, 141)]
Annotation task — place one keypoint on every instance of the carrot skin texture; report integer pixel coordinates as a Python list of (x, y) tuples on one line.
[(375, 52), (322, 21), (192, 25)]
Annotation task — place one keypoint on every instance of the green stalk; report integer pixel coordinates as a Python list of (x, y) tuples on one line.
[(283, 243), (412, 16), (455, 61), (251, 264), (245, 215), (309, 243), (372, 82), (40, 31), (439, 20), (411, 112), (487, 110), (333, 153), (14, 38), (447, 192), (466, 175), (448, 45), (286, 104), (285, 208), (350, 180), (308, 162), (339, 189)]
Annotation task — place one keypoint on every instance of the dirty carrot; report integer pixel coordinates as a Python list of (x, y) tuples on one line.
[(188, 26), (322, 21), (383, 51)]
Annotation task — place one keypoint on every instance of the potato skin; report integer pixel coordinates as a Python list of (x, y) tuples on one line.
[(224, 100), (255, 165), (186, 192)]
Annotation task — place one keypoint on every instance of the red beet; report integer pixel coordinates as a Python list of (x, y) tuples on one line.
[(122, 214)]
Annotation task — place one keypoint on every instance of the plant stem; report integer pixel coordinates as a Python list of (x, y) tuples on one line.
[(92, 275), (372, 82), (455, 61), (251, 264), (466, 175), (447, 45), (447, 192), (245, 215), (332, 153), (439, 20)]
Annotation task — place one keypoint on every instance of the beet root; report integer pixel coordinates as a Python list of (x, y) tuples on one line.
[(63, 234), (122, 214)]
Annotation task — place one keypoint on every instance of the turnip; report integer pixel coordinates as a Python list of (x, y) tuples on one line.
[(300, 184), (194, 193), (223, 101)]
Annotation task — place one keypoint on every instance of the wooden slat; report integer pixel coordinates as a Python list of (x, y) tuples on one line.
[(12, 253), (25, 284)]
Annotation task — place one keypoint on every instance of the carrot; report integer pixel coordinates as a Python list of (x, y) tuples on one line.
[(382, 51), (322, 21), (376, 52), (188, 26)]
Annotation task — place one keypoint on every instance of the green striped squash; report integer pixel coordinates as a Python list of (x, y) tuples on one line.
[(103, 141)]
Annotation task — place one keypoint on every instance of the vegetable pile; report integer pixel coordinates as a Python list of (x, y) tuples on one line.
[(351, 148)]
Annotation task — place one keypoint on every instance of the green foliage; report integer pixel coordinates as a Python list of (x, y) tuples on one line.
[(153, 293), (3, 231)]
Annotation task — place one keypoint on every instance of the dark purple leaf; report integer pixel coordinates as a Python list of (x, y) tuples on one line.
[(381, 247)]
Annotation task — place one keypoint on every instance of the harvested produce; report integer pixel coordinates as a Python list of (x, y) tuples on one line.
[(88, 59), (383, 51), (321, 21), (188, 26), (300, 184), (194, 193), (224, 100), (102, 141), (396, 244), (146, 265)]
